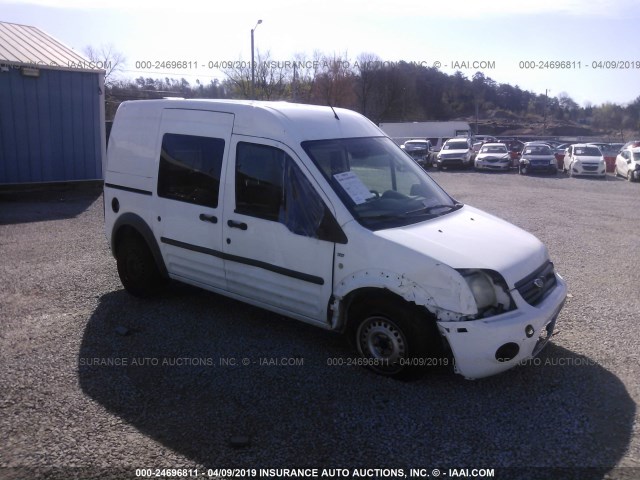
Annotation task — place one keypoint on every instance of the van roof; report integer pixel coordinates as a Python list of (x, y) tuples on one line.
[(271, 119)]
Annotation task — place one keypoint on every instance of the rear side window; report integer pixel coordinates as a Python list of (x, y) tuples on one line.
[(190, 168)]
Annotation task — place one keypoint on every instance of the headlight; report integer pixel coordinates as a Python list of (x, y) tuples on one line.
[(489, 290), (482, 289), (552, 161), (525, 160)]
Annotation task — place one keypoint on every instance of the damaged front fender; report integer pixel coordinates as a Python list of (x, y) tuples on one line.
[(442, 291)]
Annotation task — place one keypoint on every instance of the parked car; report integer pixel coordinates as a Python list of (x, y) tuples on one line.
[(632, 144), (609, 152), (617, 147), (628, 164), (514, 146), (537, 157), (583, 159), (559, 152), (493, 156), (419, 150), (314, 213), (456, 152)]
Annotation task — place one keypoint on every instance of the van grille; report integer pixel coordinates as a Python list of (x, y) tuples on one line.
[(535, 287)]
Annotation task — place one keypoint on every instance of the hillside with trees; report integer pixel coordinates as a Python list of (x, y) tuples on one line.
[(398, 91)]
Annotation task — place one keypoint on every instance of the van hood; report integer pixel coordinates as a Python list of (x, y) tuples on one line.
[(471, 238)]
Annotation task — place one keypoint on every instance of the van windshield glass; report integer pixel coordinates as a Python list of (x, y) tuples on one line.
[(378, 182)]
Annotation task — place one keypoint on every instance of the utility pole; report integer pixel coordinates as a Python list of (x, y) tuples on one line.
[(546, 100), (253, 67)]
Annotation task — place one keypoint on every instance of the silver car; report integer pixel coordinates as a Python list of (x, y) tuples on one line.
[(493, 156)]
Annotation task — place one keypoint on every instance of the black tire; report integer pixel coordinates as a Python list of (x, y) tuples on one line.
[(630, 175), (439, 167), (393, 337), (137, 268)]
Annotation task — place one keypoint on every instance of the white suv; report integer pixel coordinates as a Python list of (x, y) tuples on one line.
[(456, 152), (314, 213)]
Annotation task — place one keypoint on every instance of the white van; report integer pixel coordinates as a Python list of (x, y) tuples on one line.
[(314, 213)]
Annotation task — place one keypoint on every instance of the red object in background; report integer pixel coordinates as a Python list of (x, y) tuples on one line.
[(559, 159), (611, 162)]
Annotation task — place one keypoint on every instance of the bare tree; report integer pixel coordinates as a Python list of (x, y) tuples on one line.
[(335, 84), (366, 65), (108, 58)]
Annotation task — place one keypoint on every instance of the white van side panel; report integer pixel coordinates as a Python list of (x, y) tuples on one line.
[(297, 279), (190, 234), (132, 143)]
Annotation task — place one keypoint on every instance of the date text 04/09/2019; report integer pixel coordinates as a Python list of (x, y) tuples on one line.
[(382, 362)]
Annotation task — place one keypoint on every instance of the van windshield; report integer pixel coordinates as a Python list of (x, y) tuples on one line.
[(381, 185)]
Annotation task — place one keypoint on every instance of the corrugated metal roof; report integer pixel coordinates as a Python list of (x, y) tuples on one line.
[(29, 46)]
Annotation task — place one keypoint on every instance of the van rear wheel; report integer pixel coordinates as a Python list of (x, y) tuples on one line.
[(392, 337), (137, 269)]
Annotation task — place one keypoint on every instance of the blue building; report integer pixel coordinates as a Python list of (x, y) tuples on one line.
[(52, 125)]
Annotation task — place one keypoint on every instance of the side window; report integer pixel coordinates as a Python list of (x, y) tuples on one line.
[(190, 168), (259, 176), (271, 186)]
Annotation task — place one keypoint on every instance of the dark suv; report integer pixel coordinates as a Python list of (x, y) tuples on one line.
[(419, 150)]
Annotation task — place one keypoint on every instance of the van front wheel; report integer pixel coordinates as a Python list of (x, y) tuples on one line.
[(391, 337), (137, 269)]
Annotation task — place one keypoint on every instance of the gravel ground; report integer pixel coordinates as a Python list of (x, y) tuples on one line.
[(169, 403)]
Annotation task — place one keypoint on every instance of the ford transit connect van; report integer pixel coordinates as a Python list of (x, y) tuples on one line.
[(314, 213)]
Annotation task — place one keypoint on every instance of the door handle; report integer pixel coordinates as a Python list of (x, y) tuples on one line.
[(208, 218), (234, 224)]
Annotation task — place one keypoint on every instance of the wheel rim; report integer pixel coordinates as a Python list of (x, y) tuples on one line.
[(381, 339)]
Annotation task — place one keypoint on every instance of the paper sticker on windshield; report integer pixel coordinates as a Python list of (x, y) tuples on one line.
[(354, 187)]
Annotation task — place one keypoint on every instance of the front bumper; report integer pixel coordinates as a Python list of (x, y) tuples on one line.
[(534, 167), (488, 165), (589, 170), (475, 343), (453, 162)]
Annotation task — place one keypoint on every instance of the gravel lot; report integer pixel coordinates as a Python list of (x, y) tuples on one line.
[(64, 414)]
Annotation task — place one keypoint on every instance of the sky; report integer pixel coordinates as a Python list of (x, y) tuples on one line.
[(508, 41)]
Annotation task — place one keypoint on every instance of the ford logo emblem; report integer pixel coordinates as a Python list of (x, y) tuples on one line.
[(539, 282)]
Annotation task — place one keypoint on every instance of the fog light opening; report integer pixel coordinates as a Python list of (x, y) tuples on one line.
[(507, 352), (529, 331)]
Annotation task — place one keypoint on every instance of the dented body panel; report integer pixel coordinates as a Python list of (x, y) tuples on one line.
[(474, 343)]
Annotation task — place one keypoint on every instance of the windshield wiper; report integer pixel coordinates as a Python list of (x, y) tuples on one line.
[(429, 209)]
